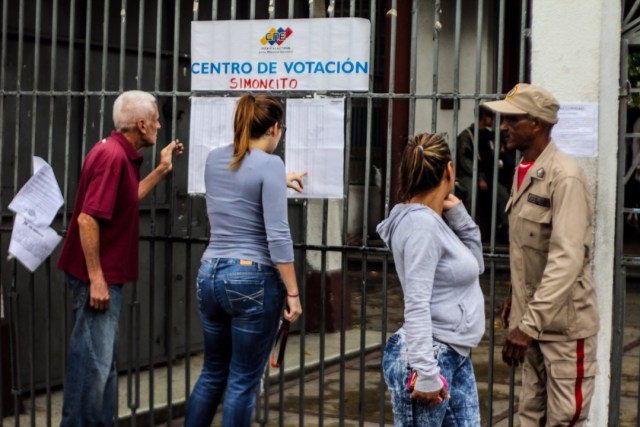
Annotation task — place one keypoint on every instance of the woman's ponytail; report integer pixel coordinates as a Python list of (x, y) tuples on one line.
[(254, 116), (243, 121)]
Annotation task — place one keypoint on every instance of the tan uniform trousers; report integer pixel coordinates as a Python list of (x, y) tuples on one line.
[(557, 383)]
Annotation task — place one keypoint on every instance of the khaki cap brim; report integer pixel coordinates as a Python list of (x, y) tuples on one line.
[(504, 107)]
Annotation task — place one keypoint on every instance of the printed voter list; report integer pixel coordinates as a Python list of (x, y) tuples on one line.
[(35, 205)]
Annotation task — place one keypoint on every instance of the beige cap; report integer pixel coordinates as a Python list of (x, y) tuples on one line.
[(528, 99)]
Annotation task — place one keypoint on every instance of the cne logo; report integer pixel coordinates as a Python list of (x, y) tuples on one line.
[(276, 36)]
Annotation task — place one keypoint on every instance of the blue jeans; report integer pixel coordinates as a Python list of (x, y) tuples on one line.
[(240, 307), (90, 392), (462, 409)]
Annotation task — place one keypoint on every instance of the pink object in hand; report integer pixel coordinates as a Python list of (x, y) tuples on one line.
[(444, 382)]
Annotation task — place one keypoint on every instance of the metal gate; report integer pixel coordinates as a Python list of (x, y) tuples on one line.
[(62, 64), (625, 387)]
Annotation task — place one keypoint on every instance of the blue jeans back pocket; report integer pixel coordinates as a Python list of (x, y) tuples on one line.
[(245, 294)]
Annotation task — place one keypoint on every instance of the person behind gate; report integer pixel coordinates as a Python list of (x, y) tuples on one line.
[(100, 254), (247, 271), (552, 313), (438, 257)]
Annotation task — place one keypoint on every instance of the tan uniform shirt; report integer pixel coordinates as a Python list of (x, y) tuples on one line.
[(550, 225)]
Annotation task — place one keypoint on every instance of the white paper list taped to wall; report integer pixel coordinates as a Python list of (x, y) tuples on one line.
[(211, 127)]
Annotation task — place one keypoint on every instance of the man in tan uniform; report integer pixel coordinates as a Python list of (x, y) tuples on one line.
[(552, 313)]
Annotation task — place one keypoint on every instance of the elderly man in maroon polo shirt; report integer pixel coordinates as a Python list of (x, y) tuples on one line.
[(100, 253)]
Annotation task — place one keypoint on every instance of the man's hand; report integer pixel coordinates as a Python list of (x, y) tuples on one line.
[(505, 312), (294, 181), (99, 294), (515, 347), (431, 398), (166, 155), (164, 167)]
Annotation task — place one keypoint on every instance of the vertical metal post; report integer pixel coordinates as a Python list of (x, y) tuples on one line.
[(152, 229), (456, 82), (32, 297), (123, 40), (105, 50), (436, 58), (413, 81), (303, 318), (169, 226), (65, 191), (524, 34), (3, 60), (141, 16), (619, 283), (323, 309), (14, 300), (87, 76), (54, 41)]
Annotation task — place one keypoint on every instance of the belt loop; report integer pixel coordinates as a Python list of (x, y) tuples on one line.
[(216, 261)]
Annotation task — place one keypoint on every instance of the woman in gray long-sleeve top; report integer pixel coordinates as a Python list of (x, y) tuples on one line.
[(438, 257), (246, 273)]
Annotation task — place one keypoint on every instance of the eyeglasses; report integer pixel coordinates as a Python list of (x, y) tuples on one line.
[(512, 120)]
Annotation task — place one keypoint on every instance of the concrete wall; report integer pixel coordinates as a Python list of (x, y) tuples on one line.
[(575, 55)]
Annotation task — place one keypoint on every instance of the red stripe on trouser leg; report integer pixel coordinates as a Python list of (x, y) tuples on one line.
[(579, 377)]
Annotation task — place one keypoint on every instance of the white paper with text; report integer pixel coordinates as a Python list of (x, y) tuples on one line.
[(315, 144), (211, 127), (40, 197)]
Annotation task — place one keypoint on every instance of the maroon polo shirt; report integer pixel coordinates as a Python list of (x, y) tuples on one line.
[(107, 191)]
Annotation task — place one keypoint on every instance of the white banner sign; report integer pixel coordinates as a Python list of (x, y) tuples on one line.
[(281, 55)]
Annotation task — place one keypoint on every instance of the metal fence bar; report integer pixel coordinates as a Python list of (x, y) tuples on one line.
[(32, 290), (413, 81), (303, 319), (524, 34), (619, 283), (364, 257), (123, 40), (169, 226), (323, 311), (436, 53), (87, 74), (14, 296), (153, 230), (103, 83), (140, 45), (3, 61), (65, 191), (456, 85), (52, 76), (345, 233), (345, 261)]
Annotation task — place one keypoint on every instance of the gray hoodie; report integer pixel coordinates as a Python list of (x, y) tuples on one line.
[(438, 266)]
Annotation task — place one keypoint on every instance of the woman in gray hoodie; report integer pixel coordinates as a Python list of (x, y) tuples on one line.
[(438, 257)]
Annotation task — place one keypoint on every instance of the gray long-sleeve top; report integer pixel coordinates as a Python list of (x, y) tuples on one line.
[(247, 208), (438, 266)]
